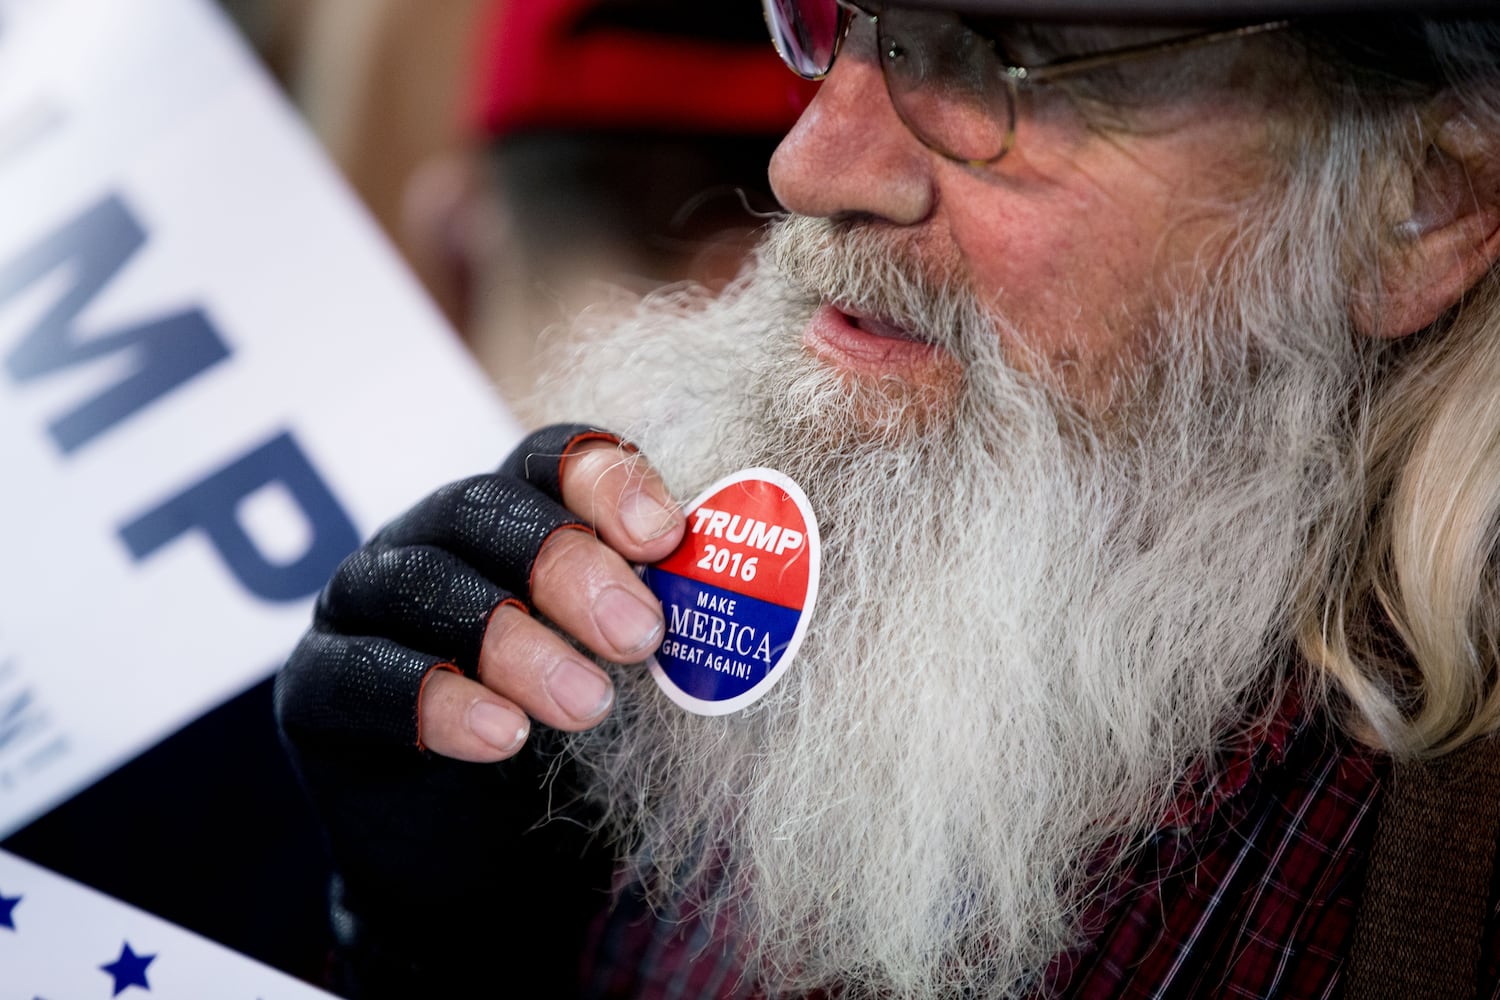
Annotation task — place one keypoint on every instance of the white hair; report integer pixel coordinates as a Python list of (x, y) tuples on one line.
[(1029, 628)]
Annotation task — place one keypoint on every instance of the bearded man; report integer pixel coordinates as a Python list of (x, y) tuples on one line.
[(1145, 381)]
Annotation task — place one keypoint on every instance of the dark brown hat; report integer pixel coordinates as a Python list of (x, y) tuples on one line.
[(1213, 10)]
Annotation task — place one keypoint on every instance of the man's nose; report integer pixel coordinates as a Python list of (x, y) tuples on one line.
[(850, 155)]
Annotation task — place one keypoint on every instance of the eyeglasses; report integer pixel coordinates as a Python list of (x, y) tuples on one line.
[(950, 85)]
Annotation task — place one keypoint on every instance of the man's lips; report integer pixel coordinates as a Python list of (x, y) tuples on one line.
[(869, 345), (877, 327)]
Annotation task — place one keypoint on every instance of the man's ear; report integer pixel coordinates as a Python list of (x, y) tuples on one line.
[(1447, 242)]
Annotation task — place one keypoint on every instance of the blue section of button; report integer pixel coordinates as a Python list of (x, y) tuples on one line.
[(718, 641)]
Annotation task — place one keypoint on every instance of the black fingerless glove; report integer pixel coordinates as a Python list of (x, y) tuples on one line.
[(449, 884)]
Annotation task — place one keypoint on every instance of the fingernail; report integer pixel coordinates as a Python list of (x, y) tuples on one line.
[(581, 691), (646, 516), (628, 623), (500, 727)]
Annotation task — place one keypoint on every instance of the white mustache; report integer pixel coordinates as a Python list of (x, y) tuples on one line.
[(868, 272)]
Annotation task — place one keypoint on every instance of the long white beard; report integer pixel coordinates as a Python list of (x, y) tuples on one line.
[(1030, 626)]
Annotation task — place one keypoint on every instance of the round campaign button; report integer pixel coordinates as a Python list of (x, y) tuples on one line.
[(737, 593)]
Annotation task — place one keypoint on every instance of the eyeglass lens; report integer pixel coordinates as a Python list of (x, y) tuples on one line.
[(946, 82), (806, 34)]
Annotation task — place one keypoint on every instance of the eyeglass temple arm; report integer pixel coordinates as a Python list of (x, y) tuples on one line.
[(1079, 64)]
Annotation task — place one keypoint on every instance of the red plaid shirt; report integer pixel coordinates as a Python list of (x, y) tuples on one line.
[(1249, 890)]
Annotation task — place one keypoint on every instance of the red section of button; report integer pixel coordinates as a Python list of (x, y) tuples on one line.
[(748, 537)]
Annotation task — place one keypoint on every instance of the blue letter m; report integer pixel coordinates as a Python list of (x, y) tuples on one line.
[(164, 352)]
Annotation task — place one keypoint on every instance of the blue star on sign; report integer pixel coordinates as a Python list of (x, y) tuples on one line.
[(7, 909), (129, 970)]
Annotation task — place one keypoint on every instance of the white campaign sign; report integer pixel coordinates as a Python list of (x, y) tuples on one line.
[(60, 939), (215, 376)]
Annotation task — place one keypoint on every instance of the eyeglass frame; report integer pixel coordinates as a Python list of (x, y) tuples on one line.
[(1018, 76)]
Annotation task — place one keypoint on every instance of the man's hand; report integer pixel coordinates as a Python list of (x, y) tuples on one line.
[(424, 639), (583, 584), (424, 636)]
